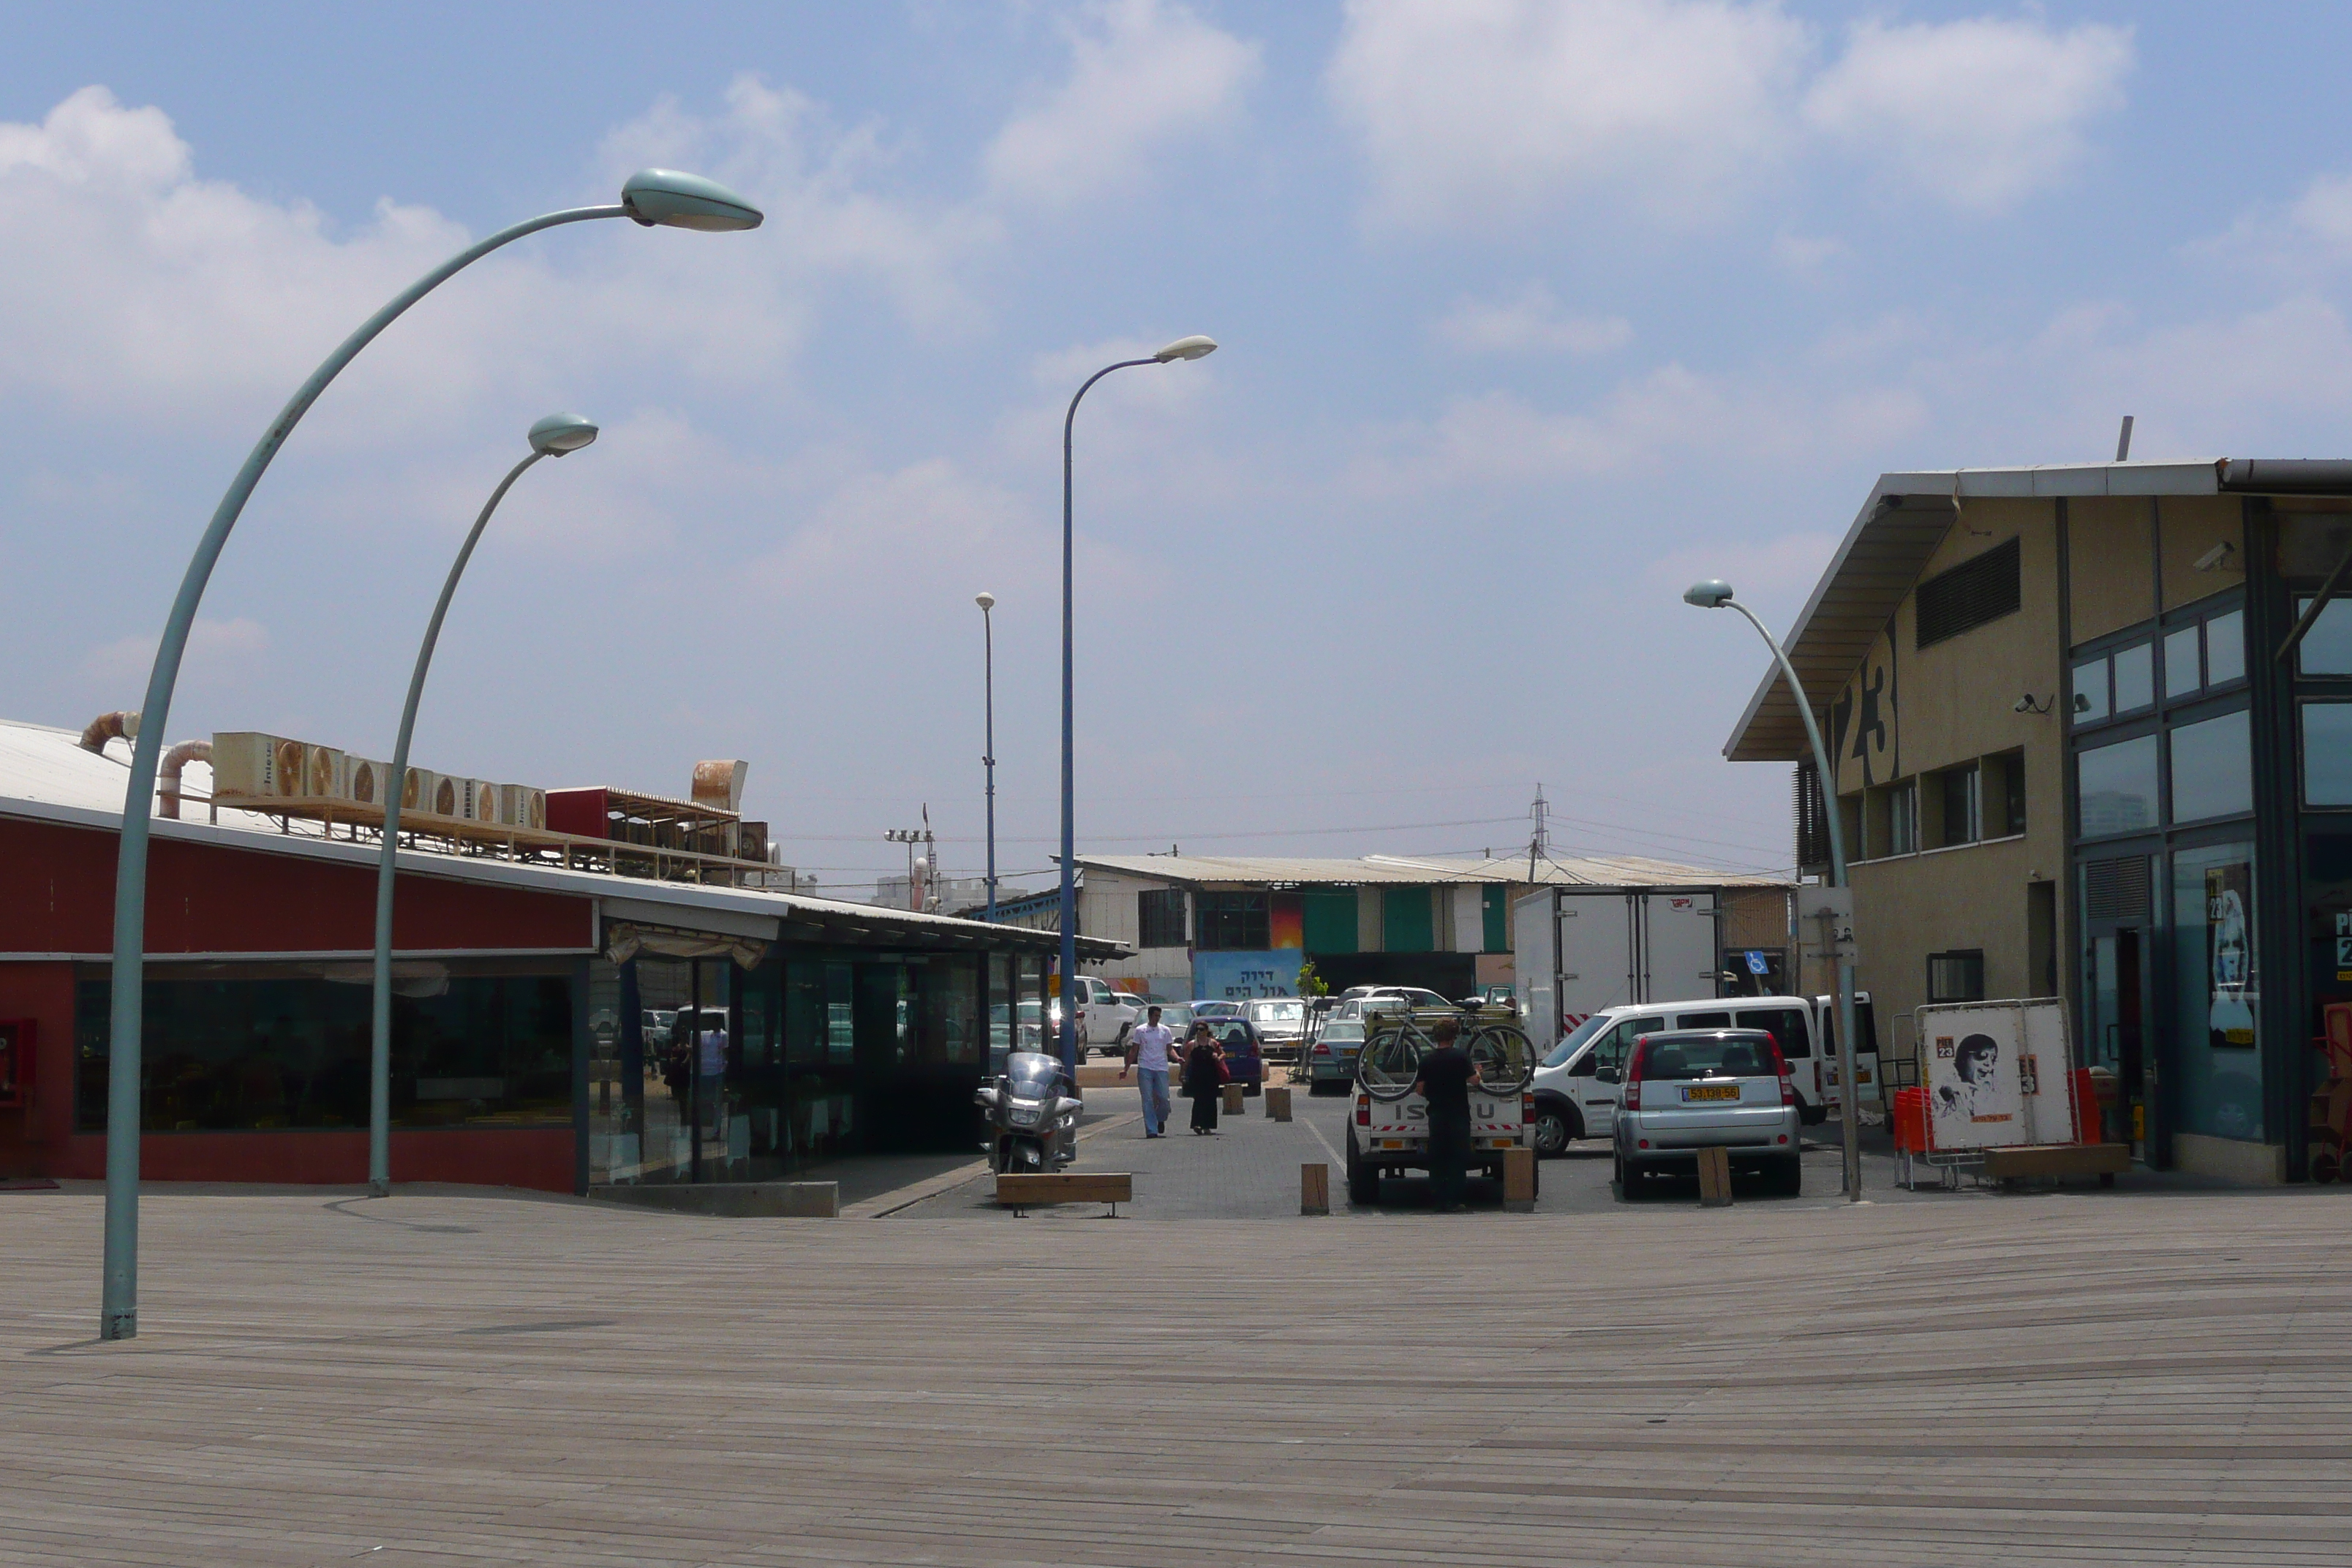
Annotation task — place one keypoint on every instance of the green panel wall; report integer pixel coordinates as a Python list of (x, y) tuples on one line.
[(1329, 918), (1406, 921), (1495, 905)]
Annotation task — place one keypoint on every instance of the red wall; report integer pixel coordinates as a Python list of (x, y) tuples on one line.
[(57, 895)]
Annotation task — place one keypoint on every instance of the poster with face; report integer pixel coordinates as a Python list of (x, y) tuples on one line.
[(1973, 1062), (2230, 955)]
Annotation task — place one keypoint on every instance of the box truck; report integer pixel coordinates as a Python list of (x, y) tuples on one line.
[(1579, 950)]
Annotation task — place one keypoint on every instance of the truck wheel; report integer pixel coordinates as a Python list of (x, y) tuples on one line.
[(1363, 1180), (1553, 1130)]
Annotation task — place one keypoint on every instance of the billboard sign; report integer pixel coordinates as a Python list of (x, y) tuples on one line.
[(1996, 1074), (1241, 976)]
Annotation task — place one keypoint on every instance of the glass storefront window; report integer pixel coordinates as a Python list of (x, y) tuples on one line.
[(2135, 677), (2182, 671), (2326, 647), (2091, 691), (2218, 1003), (2327, 754), (2225, 648), (234, 1048), (2212, 768), (2116, 787)]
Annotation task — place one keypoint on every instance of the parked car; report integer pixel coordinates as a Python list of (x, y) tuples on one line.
[(1244, 1057), (1408, 997), (1280, 1023), (1331, 1060), (1689, 1089), (1578, 1085), (1209, 1008)]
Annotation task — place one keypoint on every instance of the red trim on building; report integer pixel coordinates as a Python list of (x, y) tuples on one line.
[(57, 895)]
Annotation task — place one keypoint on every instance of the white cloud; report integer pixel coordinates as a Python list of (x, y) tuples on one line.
[(215, 649), (1499, 438), (138, 288), (1528, 321), (1683, 110), (1472, 107), (1145, 73), (1760, 570), (1982, 111)]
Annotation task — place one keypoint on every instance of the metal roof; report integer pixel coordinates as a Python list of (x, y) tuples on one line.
[(1576, 870), (46, 775), (1901, 521)]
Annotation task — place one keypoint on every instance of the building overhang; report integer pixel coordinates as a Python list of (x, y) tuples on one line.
[(1905, 517)]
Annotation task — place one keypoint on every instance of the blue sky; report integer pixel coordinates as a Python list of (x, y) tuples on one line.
[(1530, 314)]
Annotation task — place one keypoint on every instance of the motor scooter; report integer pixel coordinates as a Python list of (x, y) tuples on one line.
[(1032, 1114)]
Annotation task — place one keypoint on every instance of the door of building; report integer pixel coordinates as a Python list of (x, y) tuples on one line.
[(2119, 975)]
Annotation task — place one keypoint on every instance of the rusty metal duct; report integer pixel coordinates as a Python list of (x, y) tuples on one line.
[(115, 726), (718, 785), (167, 781)]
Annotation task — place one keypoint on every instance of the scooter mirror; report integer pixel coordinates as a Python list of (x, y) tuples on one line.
[(983, 1097), (1065, 1107)]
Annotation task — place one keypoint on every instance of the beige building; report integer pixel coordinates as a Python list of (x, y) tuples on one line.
[(2071, 760)]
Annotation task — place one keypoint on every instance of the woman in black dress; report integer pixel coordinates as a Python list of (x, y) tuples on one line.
[(1204, 1077)]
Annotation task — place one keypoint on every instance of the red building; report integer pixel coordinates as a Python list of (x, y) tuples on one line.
[(553, 1027)]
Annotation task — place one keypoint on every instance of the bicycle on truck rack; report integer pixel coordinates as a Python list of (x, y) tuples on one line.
[(1389, 1133)]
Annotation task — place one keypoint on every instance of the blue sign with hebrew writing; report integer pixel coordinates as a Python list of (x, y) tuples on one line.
[(1240, 976)]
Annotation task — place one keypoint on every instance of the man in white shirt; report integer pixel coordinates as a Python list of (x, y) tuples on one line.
[(1146, 1056)]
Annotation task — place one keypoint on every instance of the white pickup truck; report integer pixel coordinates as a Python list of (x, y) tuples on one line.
[(1389, 1133), (1105, 1015)]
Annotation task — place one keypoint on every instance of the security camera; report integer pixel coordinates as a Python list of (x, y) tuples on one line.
[(2216, 559), (2026, 704)]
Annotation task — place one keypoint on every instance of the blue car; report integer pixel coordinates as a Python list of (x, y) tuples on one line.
[(1244, 1058)]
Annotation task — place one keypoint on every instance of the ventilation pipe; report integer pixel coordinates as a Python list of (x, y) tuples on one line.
[(718, 785), (167, 787), (116, 726)]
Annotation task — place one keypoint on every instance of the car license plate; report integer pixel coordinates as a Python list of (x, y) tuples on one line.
[(1710, 1091)]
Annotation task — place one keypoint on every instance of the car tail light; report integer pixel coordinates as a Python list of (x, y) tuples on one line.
[(1633, 1074), (1322, 1050), (1363, 1110), (1632, 1097), (1527, 1108), (1788, 1085)]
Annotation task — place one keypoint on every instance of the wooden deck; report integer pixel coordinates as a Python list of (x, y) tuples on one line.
[(460, 1380)]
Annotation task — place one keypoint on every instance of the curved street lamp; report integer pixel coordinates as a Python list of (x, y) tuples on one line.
[(1714, 594), (550, 438), (1195, 347), (649, 198)]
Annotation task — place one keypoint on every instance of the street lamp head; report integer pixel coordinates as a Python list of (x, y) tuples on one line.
[(986, 602), (1711, 594), (685, 201), (561, 433), (1193, 347)]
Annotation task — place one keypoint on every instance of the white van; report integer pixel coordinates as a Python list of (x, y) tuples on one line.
[(1580, 1080)]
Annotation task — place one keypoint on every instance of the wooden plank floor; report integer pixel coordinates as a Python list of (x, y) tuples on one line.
[(462, 1380)]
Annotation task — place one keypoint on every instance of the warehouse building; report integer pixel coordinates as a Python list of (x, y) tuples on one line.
[(2091, 728), (1218, 926), (606, 992)]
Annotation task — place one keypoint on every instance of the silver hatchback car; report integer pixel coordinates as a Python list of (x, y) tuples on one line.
[(1689, 1089)]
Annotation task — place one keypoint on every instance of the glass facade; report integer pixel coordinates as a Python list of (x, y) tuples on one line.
[(2212, 768), (2117, 787), (250, 1048), (715, 1073)]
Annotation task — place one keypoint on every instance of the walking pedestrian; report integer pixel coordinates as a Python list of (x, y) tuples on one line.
[(1146, 1056), (1204, 1077), (1446, 1076)]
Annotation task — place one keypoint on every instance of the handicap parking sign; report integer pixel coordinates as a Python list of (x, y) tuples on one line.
[(1756, 964)]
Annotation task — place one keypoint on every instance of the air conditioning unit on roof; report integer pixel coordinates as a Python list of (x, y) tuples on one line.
[(448, 796), (477, 800), (326, 774), (521, 805), (364, 781), (248, 762)]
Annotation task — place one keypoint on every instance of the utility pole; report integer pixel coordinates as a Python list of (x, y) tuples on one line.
[(910, 837), (1539, 842)]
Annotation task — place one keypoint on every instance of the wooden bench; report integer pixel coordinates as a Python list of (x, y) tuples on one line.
[(1022, 1192), (2029, 1161)]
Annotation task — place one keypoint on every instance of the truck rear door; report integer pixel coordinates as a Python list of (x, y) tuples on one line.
[(1596, 962), (1681, 946)]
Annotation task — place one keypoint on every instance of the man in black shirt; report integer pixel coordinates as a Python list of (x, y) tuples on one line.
[(1447, 1078)]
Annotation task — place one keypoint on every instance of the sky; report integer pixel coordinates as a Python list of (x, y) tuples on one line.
[(1529, 313)]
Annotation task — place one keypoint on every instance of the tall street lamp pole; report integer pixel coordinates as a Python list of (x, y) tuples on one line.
[(987, 603), (1183, 348), (1715, 595), (650, 197), (550, 438)]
